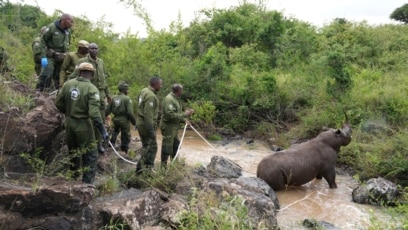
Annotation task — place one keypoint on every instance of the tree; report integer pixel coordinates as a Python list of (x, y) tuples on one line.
[(400, 14)]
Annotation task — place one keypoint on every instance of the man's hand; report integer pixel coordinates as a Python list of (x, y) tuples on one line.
[(105, 136), (189, 112)]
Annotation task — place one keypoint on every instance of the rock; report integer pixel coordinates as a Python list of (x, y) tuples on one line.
[(62, 204), (258, 185), (131, 207), (39, 130), (63, 196), (377, 191), (172, 210), (260, 202), (56, 204), (323, 225), (224, 168)]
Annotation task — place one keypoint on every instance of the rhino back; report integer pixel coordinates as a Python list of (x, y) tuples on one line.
[(297, 165)]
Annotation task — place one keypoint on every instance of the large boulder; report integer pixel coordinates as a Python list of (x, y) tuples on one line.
[(377, 191), (38, 131)]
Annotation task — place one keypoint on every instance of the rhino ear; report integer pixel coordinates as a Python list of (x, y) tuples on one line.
[(340, 132)]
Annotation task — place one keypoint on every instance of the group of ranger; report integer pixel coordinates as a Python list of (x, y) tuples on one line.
[(84, 98)]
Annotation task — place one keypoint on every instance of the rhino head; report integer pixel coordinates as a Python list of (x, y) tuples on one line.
[(344, 134)]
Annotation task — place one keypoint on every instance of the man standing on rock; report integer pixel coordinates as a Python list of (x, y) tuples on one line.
[(79, 101), (99, 80), (122, 109), (170, 121), (71, 59), (55, 43), (146, 123)]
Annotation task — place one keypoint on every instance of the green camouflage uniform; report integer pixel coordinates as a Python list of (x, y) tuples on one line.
[(68, 65), (37, 51), (79, 101), (55, 43), (99, 80), (146, 123), (122, 109), (169, 124)]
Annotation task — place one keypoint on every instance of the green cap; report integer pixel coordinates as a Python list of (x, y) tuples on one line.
[(123, 86)]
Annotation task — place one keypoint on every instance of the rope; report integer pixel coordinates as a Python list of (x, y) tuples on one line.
[(181, 141), (295, 202), (204, 139), (213, 148), (120, 156), (178, 150)]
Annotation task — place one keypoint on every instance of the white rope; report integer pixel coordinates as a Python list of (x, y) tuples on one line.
[(295, 202), (120, 156), (178, 150), (181, 141), (218, 151), (204, 139)]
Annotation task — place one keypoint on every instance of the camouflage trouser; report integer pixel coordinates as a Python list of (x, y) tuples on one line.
[(81, 146), (37, 67), (102, 108), (149, 145), (170, 142), (49, 75), (121, 125)]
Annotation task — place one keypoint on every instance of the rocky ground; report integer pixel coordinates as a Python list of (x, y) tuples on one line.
[(31, 200)]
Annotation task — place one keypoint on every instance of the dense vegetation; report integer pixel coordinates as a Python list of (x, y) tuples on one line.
[(254, 70)]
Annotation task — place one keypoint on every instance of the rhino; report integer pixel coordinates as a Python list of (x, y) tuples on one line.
[(303, 162)]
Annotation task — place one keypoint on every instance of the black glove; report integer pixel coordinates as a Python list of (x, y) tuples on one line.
[(105, 136), (151, 131), (98, 125)]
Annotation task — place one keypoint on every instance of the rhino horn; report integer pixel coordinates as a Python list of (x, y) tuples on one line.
[(346, 130)]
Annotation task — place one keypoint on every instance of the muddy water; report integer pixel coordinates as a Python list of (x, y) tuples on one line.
[(313, 200)]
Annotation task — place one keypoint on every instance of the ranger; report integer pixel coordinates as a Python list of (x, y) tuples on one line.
[(55, 43), (71, 60), (122, 109), (99, 80), (170, 121), (37, 51), (78, 99), (146, 123)]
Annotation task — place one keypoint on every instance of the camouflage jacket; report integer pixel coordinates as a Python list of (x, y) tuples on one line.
[(79, 98), (99, 78), (148, 107), (68, 65), (121, 106), (36, 48), (172, 111), (55, 38)]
